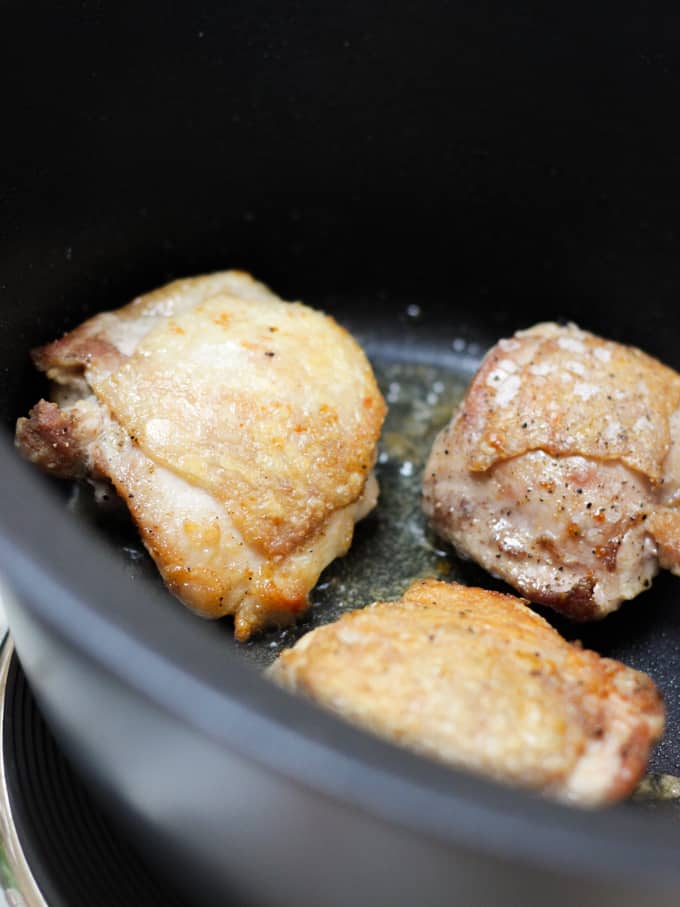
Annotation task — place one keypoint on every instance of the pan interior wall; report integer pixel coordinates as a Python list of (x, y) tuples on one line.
[(511, 164)]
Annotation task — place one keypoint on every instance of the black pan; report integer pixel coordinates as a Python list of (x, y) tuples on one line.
[(434, 176)]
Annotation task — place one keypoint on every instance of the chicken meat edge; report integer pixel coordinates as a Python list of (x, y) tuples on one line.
[(215, 502), (560, 471), (477, 680)]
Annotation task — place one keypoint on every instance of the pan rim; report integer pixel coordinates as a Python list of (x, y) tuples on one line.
[(153, 650)]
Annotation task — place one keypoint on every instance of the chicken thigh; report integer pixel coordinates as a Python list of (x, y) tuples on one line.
[(477, 680), (240, 430), (560, 471)]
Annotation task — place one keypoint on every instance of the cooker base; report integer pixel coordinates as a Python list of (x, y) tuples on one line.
[(56, 847)]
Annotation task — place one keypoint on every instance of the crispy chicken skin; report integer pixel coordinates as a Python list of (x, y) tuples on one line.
[(478, 680), (240, 430), (560, 471)]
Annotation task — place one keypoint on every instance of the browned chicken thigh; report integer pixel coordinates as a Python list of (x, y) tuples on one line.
[(560, 471), (477, 680), (240, 430)]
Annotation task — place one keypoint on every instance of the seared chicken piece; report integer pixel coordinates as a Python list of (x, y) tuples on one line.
[(240, 430), (477, 680), (560, 471)]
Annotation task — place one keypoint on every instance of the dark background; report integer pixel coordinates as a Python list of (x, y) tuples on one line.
[(467, 153)]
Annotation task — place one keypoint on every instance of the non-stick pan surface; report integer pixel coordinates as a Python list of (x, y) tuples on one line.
[(433, 176), (424, 355)]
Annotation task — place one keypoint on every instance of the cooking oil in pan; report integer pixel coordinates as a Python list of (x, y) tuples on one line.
[(392, 546)]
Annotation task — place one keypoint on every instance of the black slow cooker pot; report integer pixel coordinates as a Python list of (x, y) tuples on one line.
[(480, 166)]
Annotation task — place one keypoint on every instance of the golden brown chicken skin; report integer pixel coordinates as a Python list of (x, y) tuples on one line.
[(239, 429), (560, 471), (477, 680)]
